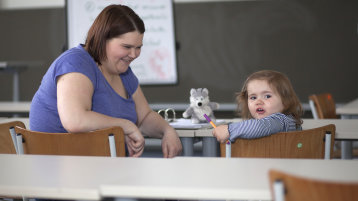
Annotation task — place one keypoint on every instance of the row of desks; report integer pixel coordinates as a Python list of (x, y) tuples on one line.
[(348, 110), (94, 178), (346, 131), (15, 107)]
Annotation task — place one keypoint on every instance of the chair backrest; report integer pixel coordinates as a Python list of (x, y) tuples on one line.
[(93, 143), (288, 187), (322, 106), (8, 137), (310, 143)]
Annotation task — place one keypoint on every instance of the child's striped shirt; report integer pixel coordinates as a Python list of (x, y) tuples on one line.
[(256, 128)]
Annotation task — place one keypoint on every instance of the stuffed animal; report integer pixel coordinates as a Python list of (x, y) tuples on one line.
[(200, 105)]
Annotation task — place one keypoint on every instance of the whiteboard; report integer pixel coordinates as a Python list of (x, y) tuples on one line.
[(157, 62)]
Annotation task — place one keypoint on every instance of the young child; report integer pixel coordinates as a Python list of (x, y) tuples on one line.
[(268, 104)]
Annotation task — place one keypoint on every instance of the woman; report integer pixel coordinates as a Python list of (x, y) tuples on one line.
[(92, 87)]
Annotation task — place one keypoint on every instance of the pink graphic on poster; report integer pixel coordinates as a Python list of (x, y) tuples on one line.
[(159, 62)]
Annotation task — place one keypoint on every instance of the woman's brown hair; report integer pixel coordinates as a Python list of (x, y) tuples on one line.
[(113, 21), (278, 82)]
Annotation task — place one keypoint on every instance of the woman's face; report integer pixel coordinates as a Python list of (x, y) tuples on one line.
[(262, 99), (121, 51)]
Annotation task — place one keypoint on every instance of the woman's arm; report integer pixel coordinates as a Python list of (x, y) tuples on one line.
[(153, 125), (74, 101)]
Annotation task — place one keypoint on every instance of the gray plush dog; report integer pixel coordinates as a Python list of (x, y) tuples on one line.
[(200, 105)]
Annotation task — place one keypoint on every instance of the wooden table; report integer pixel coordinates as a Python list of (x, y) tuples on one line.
[(94, 178)]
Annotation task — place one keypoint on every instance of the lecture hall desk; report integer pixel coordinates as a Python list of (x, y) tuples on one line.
[(348, 111), (94, 178), (346, 130)]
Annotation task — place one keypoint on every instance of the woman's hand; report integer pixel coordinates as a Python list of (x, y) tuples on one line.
[(135, 142), (221, 133), (171, 145)]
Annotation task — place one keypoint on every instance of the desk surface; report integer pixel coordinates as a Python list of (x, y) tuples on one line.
[(25, 120), (350, 108), (345, 128), (50, 177), (71, 177), (14, 107), (219, 178)]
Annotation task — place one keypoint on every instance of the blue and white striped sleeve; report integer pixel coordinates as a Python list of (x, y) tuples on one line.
[(256, 128)]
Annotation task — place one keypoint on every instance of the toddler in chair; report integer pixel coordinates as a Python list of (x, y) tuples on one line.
[(268, 104)]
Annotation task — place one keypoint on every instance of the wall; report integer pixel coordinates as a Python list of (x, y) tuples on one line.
[(30, 35), (219, 45)]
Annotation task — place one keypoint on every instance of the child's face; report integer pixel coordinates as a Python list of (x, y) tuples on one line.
[(262, 99)]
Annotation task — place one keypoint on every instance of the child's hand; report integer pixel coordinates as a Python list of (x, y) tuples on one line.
[(221, 133)]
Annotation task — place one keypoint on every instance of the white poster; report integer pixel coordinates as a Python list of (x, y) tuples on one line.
[(157, 62)]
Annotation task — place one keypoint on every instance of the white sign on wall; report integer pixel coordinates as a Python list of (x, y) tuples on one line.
[(157, 62)]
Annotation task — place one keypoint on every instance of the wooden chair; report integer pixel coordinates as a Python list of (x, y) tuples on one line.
[(104, 142), (8, 137), (310, 143), (8, 144), (322, 106), (288, 187)]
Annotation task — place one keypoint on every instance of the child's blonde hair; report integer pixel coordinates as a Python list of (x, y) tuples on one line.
[(282, 85)]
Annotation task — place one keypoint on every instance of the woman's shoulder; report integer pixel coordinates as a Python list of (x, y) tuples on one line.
[(76, 58), (75, 54)]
